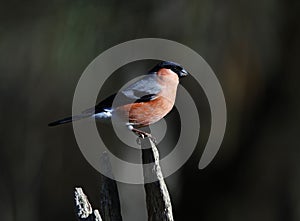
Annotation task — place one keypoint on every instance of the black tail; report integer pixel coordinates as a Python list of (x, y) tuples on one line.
[(68, 120)]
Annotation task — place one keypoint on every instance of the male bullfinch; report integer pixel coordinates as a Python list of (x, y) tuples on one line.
[(142, 103)]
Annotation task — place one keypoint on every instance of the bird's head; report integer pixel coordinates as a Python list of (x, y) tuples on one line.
[(176, 68)]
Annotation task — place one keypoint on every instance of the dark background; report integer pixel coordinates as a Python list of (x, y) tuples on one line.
[(253, 47)]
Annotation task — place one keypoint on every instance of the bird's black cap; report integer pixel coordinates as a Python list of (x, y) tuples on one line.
[(177, 68)]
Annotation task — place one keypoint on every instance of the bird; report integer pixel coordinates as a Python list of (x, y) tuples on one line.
[(142, 103)]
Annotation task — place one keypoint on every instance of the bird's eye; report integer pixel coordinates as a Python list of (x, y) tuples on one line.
[(177, 69)]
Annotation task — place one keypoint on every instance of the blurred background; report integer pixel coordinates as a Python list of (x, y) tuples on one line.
[(253, 47)]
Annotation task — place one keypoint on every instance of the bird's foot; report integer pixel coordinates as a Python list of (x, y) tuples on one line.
[(142, 134)]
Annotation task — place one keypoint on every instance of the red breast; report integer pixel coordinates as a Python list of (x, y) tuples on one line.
[(146, 113)]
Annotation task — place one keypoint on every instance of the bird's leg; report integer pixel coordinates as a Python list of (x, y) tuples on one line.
[(141, 134)]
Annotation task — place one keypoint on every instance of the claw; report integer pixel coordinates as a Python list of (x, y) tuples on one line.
[(142, 134)]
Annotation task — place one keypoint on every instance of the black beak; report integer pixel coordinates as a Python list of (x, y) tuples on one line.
[(183, 73)]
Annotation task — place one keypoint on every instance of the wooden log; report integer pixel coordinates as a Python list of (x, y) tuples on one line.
[(84, 210), (109, 198), (110, 208), (157, 196)]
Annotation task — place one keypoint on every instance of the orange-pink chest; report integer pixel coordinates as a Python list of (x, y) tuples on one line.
[(146, 113)]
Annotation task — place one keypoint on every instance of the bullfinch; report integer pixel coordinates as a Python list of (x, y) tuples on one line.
[(142, 103)]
